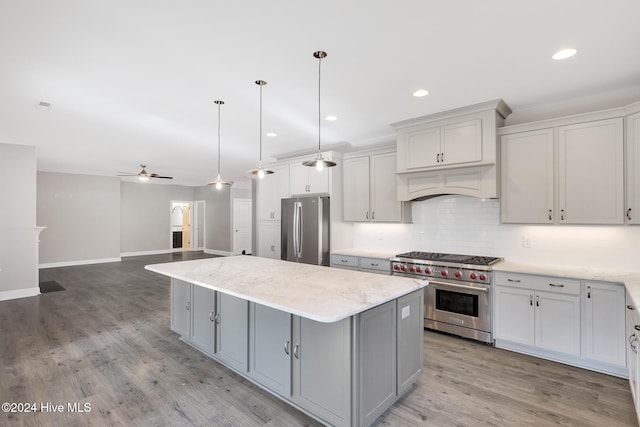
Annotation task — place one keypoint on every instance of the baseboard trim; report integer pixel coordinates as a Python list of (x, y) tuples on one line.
[(79, 262), (19, 293), (142, 253), (217, 252)]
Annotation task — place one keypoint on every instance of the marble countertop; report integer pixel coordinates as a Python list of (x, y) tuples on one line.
[(630, 279), (318, 293), (364, 253)]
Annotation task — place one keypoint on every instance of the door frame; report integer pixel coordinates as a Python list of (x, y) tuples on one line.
[(197, 245), (233, 222), (189, 203)]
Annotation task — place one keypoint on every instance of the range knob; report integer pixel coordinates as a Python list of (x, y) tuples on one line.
[(411, 269), (473, 276), (483, 277), (418, 270), (396, 267), (403, 268), (427, 270), (443, 273), (458, 274)]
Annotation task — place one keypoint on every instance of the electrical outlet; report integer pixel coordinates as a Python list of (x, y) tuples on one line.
[(526, 242)]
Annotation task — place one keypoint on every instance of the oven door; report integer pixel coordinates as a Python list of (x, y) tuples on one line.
[(461, 304)]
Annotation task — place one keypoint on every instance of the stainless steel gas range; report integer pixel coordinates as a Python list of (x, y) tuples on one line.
[(458, 298)]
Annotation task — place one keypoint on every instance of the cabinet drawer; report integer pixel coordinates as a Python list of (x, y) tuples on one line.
[(344, 261), (378, 264), (538, 283)]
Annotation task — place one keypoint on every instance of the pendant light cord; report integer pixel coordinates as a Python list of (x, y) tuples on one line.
[(319, 114), (218, 139), (260, 124)]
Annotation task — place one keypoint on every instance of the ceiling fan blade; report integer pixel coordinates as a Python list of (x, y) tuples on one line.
[(155, 175), (126, 174)]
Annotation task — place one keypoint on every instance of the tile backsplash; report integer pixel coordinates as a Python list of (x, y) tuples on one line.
[(460, 224)]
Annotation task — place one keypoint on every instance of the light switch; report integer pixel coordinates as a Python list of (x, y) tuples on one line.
[(406, 311)]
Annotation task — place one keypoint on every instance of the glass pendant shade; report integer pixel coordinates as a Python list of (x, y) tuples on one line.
[(260, 171), (319, 162), (219, 182)]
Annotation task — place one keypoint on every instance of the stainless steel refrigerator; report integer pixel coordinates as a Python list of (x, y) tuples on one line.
[(305, 230)]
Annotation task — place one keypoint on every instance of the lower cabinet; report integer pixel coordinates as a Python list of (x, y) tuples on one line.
[(633, 358), (203, 311), (232, 331), (361, 263), (410, 340), (568, 320), (269, 239), (181, 307)]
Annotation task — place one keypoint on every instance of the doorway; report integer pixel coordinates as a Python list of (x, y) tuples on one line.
[(181, 218), (242, 219)]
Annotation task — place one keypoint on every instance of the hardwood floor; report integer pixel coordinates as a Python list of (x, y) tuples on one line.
[(106, 341)]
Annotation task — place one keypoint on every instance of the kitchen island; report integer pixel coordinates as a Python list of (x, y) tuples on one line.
[(341, 346)]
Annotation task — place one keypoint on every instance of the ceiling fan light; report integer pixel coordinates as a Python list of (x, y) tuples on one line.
[(143, 178)]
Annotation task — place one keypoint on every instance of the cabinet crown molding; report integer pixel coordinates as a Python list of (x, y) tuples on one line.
[(497, 105)]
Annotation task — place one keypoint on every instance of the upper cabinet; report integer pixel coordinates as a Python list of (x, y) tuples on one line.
[(567, 171), (453, 152), (632, 212), (370, 189), (308, 180), (271, 189)]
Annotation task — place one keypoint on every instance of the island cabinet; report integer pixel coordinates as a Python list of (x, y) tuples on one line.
[(633, 358), (193, 314), (232, 331), (566, 171), (569, 320), (181, 307)]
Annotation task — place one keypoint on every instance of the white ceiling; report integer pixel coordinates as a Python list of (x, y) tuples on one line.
[(134, 82)]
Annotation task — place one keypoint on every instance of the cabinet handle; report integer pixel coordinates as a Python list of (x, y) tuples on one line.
[(295, 351), (373, 216), (550, 214), (557, 286), (217, 318), (344, 260), (211, 316), (636, 327), (513, 280), (188, 305), (531, 300), (588, 291), (367, 215), (629, 214), (441, 157), (374, 265), (630, 307), (286, 348), (537, 301), (438, 158), (561, 214), (273, 248), (632, 340)]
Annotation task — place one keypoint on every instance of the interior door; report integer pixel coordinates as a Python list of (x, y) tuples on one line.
[(242, 219), (199, 224)]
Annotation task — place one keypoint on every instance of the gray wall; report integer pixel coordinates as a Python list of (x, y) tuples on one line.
[(17, 221), (82, 216), (145, 215), (218, 217)]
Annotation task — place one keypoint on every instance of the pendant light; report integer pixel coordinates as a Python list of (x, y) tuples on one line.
[(260, 172), (319, 162), (219, 182)]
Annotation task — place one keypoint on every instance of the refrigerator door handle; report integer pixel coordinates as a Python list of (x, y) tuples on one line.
[(299, 230), (294, 229)]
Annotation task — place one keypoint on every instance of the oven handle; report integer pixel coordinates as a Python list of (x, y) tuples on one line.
[(471, 288)]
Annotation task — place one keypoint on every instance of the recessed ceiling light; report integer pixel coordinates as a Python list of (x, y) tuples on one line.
[(44, 105), (564, 54), (272, 134), (331, 118), (420, 92)]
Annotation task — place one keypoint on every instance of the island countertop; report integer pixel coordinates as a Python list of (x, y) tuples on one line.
[(318, 293)]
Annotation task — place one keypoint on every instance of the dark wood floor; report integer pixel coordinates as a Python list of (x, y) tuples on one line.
[(106, 341)]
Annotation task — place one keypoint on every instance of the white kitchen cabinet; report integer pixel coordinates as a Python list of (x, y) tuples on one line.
[(633, 358), (308, 180), (590, 172), (632, 211), (370, 190), (203, 311), (181, 307), (269, 239), (270, 348), (368, 264), (232, 331), (271, 189), (527, 177), (604, 323), (540, 312)]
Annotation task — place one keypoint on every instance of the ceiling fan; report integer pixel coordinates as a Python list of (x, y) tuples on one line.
[(143, 175)]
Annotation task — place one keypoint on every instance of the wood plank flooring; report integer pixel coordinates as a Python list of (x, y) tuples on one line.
[(106, 341)]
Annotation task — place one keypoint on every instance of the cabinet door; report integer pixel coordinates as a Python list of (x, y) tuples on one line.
[(590, 174), (385, 206), (421, 147), (377, 352), (318, 180), (527, 177), (232, 331), (270, 348), (633, 169), (633, 361), (356, 189), (514, 315), (410, 339), (180, 307), (271, 189), (269, 239), (322, 369), (203, 330), (604, 328), (461, 143), (557, 322)]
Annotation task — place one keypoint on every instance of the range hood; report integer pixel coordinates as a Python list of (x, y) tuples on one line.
[(453, 152)]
